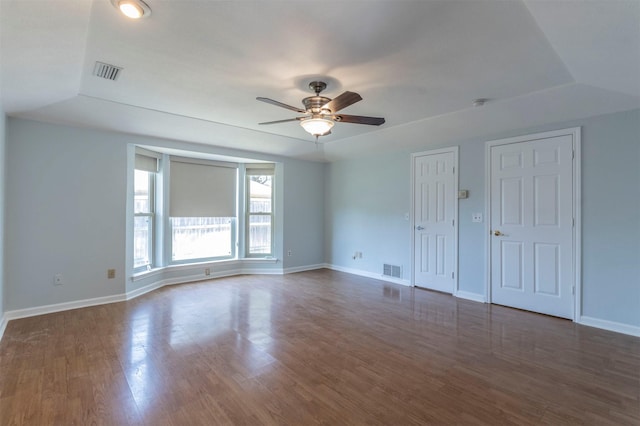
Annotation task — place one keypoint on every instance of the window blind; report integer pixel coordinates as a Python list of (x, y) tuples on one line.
[(146, 163), (260, 169), (202, 190)]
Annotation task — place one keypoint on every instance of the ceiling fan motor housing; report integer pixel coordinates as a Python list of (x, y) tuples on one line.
[(314, 104)]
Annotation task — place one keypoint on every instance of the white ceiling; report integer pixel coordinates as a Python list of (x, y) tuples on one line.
[(193, 69)]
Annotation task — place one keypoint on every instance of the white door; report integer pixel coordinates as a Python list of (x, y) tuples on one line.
[(531, 225), (435, 211)]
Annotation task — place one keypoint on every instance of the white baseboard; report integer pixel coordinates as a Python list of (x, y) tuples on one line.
[(3, 324), (66, 306), (295, 269), (618, 327), (369, 275), (470, 296), (144, 290)]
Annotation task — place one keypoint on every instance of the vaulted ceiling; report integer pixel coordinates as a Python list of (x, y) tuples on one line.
[(192, 70)]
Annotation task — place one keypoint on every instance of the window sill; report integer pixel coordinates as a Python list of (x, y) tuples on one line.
[(187, 266)]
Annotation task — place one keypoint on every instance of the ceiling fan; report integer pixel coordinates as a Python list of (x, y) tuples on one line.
[(321, 113)]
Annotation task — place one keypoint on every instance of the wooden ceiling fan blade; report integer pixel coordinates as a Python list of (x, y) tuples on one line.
[(359, 119), (280, 104), (342, 101), (284, 121)]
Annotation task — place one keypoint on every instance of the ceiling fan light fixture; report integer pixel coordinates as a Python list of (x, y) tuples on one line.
[(317, 126), (134, 9)]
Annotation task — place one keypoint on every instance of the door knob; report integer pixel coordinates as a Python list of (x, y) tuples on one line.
[(497, 233), (419, 228)]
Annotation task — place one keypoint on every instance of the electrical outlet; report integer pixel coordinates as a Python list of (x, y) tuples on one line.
[(289, 253), (111, 273), (58, 279), (476, 217), (207, 271)]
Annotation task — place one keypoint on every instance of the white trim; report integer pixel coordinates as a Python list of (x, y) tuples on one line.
[(295, 269), (470, 296), (66, 306), (3, 325), (455, 151), (368, 274), (577, 215), (575, 134), (618, 327)]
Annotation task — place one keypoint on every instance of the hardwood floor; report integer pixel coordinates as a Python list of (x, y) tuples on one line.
[(318, 347)]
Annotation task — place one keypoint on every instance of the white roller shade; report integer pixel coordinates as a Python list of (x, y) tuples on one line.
[(202, 190), (260, 169), (146, 163)]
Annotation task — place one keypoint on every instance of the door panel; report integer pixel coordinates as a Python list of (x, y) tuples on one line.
[(531, 202), (434, 212)]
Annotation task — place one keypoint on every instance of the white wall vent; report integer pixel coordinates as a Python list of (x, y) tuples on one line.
[(106, 71), (392, 270)]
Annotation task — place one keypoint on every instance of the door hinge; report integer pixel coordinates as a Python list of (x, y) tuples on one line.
[(573, 290), (453, 275), (573, 155), (573, 221), (453, 222)]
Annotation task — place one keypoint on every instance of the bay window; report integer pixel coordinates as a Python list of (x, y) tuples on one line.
[(188, 210)]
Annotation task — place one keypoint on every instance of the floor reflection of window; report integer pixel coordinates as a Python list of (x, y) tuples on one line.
[(138, 372)]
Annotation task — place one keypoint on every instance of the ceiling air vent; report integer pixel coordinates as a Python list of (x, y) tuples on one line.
[(107, 71)]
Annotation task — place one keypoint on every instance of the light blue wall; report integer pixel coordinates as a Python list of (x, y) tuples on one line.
[(303, 214), (66, 211), (65, 214), (365, 199), (611, 218), (366, 203)]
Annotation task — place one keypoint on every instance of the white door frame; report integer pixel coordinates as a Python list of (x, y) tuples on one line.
[(575, 133), (454, 150)]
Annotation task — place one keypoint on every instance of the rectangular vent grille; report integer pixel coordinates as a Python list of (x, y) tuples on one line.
[(109, 72), (392, 270)]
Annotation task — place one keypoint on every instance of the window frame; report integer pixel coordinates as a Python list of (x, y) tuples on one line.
[(266, 169), (233, 219), (151, 215)]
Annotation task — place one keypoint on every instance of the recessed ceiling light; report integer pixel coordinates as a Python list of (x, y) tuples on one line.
[(134, 9)]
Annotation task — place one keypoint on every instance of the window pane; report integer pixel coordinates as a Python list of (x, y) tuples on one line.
[(142, 233), (201, 237), (260, 193), (260, 234), (142, 196)]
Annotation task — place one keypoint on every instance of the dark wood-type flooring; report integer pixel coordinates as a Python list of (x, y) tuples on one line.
[(318, 347)]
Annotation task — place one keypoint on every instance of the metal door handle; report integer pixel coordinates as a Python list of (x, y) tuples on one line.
[(419, 228), (497, 233)]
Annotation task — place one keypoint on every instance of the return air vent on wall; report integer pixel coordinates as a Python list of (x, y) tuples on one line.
[(392, 270), (106, 71)]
